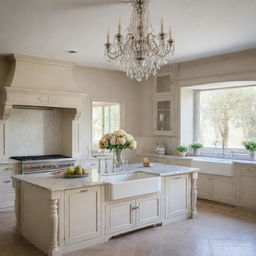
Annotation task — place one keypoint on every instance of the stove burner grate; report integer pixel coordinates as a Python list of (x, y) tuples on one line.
[(39, 157)]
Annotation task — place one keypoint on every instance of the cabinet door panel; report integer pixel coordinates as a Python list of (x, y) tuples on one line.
[(177, 194), (148, 211), (204, 187), (163, 84), (248, 191), (82, 214), (120, 216), (223, 190)]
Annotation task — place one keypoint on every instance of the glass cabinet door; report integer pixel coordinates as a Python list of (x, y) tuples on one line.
[(163, 84), (163, 115)]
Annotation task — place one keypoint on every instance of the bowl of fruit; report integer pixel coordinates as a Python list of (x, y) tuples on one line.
[(76, 172)]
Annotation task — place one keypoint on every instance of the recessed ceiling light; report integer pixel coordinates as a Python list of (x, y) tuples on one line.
[(72, 51)]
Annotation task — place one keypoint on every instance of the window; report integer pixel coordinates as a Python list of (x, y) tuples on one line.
[(226, 117), (105, 119)]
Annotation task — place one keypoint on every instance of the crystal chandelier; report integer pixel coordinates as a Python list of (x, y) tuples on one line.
[(140, 53)]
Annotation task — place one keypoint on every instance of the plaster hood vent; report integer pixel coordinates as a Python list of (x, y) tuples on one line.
[(34, 72), (39, 99)]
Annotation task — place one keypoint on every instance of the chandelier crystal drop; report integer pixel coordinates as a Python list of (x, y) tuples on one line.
[(140, 53)]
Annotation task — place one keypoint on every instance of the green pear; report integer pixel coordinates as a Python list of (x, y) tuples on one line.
[(70, 171), (78, 171)]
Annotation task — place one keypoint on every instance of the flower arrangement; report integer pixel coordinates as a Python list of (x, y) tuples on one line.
[(117, 141)]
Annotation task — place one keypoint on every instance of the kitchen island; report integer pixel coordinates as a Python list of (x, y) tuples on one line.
[(60, 215)]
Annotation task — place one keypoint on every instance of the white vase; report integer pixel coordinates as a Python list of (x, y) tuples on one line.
[(196, 152), (253, 155)]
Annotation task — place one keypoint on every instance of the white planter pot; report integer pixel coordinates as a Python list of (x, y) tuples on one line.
[(253, 155), (196, 151), (182, 153)]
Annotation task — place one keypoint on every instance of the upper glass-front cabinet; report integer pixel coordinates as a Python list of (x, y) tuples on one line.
[(163, 105), (163, 84)]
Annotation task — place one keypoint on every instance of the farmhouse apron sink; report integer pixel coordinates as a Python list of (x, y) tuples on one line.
[(131, 184)]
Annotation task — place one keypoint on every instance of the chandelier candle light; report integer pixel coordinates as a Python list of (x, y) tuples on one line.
[(140, 53)]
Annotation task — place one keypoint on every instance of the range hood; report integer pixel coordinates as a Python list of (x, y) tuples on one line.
[(34, 72), (39, 99)]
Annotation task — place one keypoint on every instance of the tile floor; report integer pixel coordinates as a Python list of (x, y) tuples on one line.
[(219, 230)]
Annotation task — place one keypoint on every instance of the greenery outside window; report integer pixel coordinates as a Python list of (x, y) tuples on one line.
[(106, 118), (225, 117)]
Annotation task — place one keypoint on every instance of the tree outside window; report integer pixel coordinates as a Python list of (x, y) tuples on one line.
[(227, 116)]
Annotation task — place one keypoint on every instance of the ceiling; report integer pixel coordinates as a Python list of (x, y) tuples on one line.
[(50, 28)]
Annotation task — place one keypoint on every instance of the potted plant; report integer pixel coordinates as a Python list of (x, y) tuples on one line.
[(182, 150), (117, 141), (251, 146), (196, 148)]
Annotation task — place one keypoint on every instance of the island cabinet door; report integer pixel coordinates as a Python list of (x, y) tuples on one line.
[(177, 195), (82, 214), (148, 210), (120, 216)]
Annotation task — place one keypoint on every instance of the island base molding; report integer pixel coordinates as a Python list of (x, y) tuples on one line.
[(62, 221)]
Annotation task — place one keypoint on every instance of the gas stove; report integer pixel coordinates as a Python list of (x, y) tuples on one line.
[(44, 163)]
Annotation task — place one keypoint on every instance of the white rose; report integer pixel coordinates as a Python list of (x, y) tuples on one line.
[(113, 140), (106, 143), (129, 137), (101, 145), (133, 145), (119, 133), (121, 141), (107, 136)]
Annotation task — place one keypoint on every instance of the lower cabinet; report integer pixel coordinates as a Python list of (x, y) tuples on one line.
[(217, 188), (120, 216), (148, 210), (177, 195), (82, 214), (7, 193), (204, 189), (129, 214), (247, 187)]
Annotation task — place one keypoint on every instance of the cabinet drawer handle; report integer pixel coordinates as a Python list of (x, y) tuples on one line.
[(176, 178), (85, 190), (135, 207), (7, 181)]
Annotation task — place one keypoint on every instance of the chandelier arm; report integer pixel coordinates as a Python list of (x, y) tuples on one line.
[(129, 38), (112, 55), (156, 49)]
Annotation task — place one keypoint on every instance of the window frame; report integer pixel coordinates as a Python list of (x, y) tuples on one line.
[(213, 150), (121, 102)]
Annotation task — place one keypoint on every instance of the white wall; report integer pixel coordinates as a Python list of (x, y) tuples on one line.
[(34, 132), (187, 116)]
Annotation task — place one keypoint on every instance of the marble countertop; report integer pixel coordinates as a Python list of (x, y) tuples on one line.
[(202, 158), (9, 161), (58, 183), (163, 169)]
